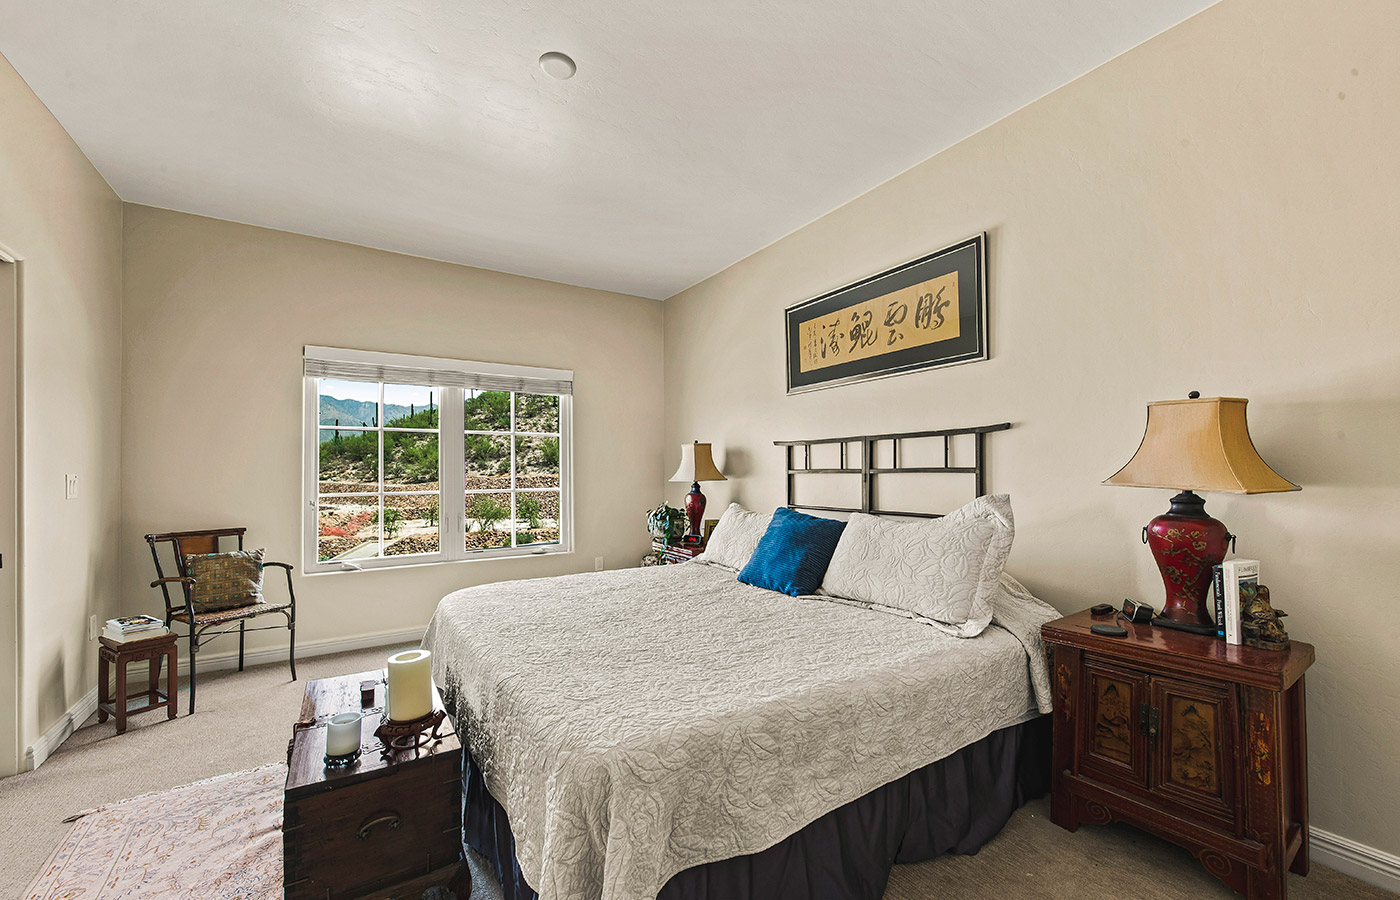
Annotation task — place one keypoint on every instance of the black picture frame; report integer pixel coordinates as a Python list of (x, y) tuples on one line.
[(844, 343)]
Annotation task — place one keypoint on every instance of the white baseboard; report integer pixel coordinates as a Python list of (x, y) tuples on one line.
[(50, 740), (78, 714), (1356, 859), (229, 660)]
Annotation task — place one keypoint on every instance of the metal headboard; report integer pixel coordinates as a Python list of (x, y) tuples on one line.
[(868, 472)]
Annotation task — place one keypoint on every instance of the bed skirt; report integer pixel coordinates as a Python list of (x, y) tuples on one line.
[(955, 805)]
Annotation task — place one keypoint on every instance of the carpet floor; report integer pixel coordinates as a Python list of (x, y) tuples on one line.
[(244, 721)]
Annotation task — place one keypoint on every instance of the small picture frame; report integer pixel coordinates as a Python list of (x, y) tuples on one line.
[(710, 527)]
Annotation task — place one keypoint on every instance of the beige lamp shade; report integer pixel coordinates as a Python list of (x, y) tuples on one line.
[(697, 464), (1200, 445)]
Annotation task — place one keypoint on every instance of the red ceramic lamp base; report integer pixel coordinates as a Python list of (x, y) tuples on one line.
[(695, 512), (1187, 545)]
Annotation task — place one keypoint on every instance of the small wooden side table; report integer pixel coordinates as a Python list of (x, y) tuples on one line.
[(153, 650)]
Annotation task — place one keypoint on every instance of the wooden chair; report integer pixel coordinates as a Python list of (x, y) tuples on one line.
[(183, 543)]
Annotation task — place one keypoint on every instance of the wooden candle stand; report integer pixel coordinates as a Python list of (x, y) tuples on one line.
[(410, 735)]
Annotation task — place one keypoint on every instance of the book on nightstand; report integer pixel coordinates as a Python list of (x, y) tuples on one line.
[(1217, 587), (133, 628), (1235, 572)]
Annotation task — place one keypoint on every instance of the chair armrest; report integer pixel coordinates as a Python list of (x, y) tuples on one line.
[(173, 578), (291, 592)]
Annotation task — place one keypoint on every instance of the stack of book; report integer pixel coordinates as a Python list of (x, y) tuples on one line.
[(133, 628), (1228, 577)]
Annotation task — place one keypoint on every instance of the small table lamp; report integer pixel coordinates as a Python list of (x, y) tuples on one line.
[(696, 466), (1194, 445)]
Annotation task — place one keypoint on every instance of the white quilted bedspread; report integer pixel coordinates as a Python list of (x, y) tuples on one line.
[(638, 722)]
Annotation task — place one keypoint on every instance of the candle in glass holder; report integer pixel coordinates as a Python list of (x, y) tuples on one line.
[(343, 734), (410, 693)]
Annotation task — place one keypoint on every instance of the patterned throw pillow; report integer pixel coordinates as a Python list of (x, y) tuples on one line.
[(945, 570), (735, 537), (225, 580)]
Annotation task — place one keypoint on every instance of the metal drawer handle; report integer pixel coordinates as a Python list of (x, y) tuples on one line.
[(391, 819)]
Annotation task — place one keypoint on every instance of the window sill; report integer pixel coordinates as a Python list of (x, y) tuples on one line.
[(473, 556)]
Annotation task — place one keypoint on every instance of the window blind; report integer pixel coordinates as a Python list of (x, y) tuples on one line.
[(365, 365)]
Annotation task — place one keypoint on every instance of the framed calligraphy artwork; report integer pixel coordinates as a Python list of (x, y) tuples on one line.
[(926, 313)]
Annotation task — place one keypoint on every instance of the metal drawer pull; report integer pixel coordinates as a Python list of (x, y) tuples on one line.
[(391, 819)]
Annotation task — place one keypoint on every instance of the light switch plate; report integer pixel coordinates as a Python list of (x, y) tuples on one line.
[(597, 563), (70, 487), (92, 628)]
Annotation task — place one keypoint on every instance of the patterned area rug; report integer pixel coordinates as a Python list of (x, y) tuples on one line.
[(218, 839)]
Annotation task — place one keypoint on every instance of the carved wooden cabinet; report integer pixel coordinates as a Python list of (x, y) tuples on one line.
[(1200, 742)]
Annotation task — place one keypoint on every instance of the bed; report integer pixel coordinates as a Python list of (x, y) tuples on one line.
[(673, 732)]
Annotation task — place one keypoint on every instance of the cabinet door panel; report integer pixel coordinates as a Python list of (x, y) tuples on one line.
[(1194, 762), (1112, 744)]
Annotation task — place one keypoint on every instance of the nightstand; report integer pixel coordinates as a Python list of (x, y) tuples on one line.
[(1200, 742), (676, 553)]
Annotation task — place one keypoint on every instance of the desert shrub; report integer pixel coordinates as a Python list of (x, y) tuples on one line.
[(487, 456), (488, 411), (529, 509), (549, 450), (488, 512), (410, 458), (416, 418), (356, 453)]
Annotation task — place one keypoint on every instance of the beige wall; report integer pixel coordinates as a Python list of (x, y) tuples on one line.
[(1216, 210), (216, 317), (59, 215)]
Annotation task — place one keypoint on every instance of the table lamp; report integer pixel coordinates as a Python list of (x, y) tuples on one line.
[(696, 466), (1194, 445)]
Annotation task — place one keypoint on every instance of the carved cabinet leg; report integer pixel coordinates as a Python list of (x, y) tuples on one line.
[(1064, 670), (1298, 742), (1267, 819)]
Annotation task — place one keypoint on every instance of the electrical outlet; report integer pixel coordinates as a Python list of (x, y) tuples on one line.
[(92, 628), (597, 563), (70, 487)]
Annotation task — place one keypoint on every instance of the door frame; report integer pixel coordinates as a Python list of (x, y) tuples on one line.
[(11, 296)]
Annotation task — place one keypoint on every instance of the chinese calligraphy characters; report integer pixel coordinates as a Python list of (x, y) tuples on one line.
[(909, 317)]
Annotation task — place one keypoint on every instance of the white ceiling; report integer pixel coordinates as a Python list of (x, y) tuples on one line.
[(692, 135)]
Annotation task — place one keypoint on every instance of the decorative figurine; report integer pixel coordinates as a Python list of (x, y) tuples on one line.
[(1259, 621)]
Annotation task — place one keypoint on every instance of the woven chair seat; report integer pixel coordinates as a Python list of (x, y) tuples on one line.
[(219, 616)]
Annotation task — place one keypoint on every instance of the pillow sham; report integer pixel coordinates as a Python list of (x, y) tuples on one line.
[(225, 580), (943, 569), (792, 555), (736, 534)]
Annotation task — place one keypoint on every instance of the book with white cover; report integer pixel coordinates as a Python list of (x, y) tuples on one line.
[(1236, 572), (142, 635)]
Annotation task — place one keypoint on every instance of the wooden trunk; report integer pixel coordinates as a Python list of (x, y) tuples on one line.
[(387, 820)]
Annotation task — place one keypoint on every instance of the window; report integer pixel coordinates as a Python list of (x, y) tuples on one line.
[(418, 459)]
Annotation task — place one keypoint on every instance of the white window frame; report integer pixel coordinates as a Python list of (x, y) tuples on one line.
[(452, 518)]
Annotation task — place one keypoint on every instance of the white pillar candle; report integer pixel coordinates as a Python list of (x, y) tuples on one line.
[(343, 734), (410, 685)]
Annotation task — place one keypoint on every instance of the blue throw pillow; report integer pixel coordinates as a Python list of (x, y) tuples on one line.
[(793, 554)]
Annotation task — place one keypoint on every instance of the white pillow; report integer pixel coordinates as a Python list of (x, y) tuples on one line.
[(735, 537), (942, 569)]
